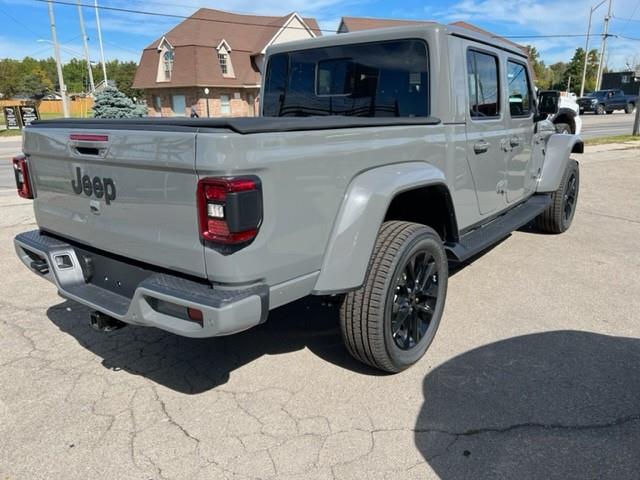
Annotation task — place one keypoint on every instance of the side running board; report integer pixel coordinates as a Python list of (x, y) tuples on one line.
[(477, 240)]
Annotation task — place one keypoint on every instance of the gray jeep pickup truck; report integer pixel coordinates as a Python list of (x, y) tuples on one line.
[(380, 157)]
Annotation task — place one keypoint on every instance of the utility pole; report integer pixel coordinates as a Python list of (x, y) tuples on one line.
[(604, 47), (56, 51), (636, 123), (86, 47), (586, 48), (104, 67)]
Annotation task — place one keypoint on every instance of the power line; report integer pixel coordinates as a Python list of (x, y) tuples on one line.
[(235, 22), (182, 17), (629, 38), (628, 19), (19, 22), (137, 52)]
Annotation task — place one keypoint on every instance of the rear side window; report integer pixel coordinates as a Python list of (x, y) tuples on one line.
[(386, 79), (484, 86), (519, 90)]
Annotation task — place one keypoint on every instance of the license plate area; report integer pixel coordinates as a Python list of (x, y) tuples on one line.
[(110, 273)]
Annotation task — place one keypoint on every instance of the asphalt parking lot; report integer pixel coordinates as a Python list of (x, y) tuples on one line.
[(534, 373)]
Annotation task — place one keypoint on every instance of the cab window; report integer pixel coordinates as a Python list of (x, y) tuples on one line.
[(381, 79), (519, 90), (484, 86)]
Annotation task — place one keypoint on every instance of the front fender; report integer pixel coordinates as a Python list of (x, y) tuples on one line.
[(557, 152), (361, 214)]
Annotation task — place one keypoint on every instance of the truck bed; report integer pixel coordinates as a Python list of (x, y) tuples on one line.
[(244, 126)]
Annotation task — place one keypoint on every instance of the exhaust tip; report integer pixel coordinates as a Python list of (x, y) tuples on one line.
[(104, 323)]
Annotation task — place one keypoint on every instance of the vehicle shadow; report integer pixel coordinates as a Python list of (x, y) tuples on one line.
[(563, 404), (192, 365)]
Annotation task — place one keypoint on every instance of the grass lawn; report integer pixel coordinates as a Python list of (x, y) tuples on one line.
[(9, 133), (612, 139)]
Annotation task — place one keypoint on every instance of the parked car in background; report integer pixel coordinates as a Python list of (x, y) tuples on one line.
[(606, 101), (567, 119)]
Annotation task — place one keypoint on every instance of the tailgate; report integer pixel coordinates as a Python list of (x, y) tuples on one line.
[(129, 192)]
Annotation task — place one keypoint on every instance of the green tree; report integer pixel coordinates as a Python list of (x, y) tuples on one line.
[(9, 77), (112, 103), (556, 75), (575, 68), (122, 73), (76, 76), (540, 70), (36, 84)]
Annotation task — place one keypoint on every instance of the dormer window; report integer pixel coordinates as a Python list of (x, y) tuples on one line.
[(223, 59), (168, 64)]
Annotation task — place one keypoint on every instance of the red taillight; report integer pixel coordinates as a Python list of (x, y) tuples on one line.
[(229, 209), (21, 172)]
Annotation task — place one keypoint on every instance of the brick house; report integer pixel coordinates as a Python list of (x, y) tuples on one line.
[(220, 51)]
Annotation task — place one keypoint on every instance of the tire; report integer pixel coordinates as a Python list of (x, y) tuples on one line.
[(629, 108), (368, 315), (600, 109), (558, 216), (563, 128), (582, 111)]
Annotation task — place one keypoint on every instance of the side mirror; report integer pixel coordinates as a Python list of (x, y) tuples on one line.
[(548, 102)]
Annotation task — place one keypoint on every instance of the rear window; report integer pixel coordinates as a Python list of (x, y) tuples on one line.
[(388, 79)]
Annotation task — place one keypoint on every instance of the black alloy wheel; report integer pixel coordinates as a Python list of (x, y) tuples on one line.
[(570, 197), (414, 300), (557, 218), (390, 322)]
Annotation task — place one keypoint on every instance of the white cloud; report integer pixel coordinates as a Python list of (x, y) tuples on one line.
[(547, 17)]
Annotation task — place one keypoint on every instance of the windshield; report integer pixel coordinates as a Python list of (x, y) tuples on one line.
[(598, 94), (385, 79)]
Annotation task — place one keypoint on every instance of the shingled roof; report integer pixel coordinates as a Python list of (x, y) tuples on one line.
[(194, 43)]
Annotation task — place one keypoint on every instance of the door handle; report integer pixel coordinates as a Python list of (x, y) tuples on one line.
[(514, 142), (481, 147)]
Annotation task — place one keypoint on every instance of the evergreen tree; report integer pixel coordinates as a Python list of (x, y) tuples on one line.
[(112, 103), (575, 68)]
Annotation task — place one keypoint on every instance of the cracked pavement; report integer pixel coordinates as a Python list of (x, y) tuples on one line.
[(534, 373)]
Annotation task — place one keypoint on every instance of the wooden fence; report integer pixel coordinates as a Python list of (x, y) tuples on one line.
[(80, 107)]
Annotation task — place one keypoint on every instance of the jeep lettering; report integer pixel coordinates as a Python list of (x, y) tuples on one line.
[(97, 187)]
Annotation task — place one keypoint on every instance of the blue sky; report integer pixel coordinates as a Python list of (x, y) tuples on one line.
[(24, 22)]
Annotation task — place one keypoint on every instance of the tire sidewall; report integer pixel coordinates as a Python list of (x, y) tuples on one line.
[(600, 110), (425, 238), (571, 168)]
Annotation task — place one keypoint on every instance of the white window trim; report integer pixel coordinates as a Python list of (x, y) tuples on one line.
[(163, 41), (164, 46), (294, 16), (224, 48)]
